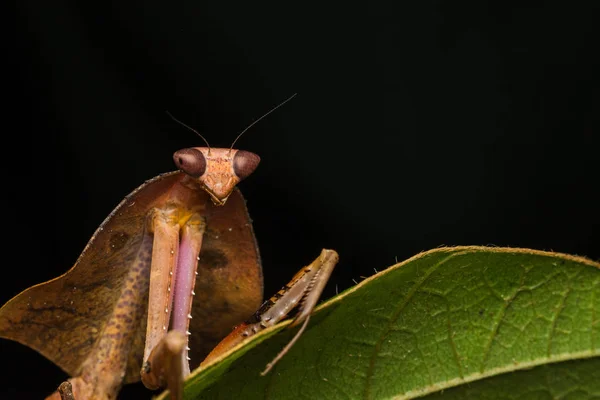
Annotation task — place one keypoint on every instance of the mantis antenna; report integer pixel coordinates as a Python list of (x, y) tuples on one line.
[(190, 128), (255, 122)]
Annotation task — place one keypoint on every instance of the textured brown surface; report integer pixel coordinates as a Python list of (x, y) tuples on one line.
[(97, 310)]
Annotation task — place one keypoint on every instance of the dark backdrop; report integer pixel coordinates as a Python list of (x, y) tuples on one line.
[(416, 125)]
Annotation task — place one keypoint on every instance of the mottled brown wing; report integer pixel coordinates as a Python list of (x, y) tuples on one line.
[(63, 318)]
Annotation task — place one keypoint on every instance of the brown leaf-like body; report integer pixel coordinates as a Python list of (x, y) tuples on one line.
[(64, 318)]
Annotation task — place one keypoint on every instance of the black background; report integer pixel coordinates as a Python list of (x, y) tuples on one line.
[(415, 125)]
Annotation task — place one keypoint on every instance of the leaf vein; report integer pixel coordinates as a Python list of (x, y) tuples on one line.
[(506, 303), (559, 309), (395, 316), (452, 344)]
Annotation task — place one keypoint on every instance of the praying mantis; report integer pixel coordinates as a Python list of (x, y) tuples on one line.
[(164, 279)]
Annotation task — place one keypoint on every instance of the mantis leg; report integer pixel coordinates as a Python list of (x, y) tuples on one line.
[(172, 279), (101, 373), (302, 291)]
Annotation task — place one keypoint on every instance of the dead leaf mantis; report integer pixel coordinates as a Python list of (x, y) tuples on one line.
[(163, 279)]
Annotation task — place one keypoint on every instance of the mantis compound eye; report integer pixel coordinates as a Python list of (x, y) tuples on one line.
[(191, 161), (244, 163)]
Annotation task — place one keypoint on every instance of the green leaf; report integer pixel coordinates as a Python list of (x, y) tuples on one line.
[(463, 322)]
